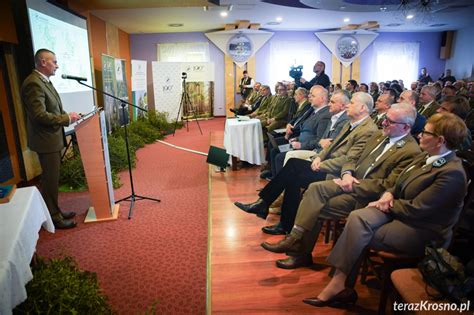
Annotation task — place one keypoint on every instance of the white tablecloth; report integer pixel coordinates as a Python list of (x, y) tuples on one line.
[(244, 139), (20, 221)]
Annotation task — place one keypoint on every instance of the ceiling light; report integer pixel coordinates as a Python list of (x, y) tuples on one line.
[(410, 16), (224, 13), (347, 20), (175, 24), (279, 19)]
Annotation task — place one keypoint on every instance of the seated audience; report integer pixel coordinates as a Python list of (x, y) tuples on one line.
[(374, 91), (382, 105), (251, 103), (277, 114), (264, 103), (297, 173), (311, 131), (386, 155), (448, 90), (421, 208), (447, 77), (428, 104), (411, 97), (351, 86), (364, 88)]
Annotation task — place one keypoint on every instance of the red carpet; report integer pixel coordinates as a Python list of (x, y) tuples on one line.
[(160, 254)]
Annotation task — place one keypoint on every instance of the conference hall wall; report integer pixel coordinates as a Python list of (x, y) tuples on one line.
[(144, 47)]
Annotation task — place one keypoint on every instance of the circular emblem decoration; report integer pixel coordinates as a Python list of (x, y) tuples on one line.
[(239, 48), (347, 48)]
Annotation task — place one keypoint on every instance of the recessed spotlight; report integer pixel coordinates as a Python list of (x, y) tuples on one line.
[(383, 9), (279, 19), (410, 16), (347, 20), (175, 24), (224, 14), (342, 8)]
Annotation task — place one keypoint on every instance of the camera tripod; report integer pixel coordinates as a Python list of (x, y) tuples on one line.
[(185, 104)]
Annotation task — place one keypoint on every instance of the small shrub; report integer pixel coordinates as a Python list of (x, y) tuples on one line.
[(72, 172), (59, 287)]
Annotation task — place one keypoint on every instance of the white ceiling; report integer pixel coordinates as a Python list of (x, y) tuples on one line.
[(196, 19)]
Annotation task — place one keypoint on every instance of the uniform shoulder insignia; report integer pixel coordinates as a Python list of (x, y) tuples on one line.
[(439, 162), (400, 143)]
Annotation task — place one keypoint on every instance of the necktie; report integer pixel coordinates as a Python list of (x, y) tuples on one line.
[(368, 163)]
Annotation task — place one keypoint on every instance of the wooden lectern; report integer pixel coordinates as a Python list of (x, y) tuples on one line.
[(91, 136)]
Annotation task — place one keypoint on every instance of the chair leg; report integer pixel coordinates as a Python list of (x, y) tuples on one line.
[(364, 271), (327, 234), (386, 285)]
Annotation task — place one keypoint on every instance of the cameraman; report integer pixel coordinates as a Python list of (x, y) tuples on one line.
[(320, 79)]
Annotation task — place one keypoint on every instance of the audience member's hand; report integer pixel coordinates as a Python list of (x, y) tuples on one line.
[(384, 203), (324, 143), (346, 182), (316, 164), (73, 117), (289, 129), (303, 80), (296, 145)]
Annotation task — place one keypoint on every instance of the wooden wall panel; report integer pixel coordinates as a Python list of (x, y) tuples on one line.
[(9, 135), (341, 74), (229, 84), (336, 70), (30, 158), (124, 53), (112, 39), (97, 35)]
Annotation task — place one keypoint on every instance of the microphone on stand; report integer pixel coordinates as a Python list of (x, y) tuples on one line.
[(72, 77)]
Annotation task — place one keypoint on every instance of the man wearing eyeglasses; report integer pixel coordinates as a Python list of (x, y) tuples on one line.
[(385, 156), (45, 121)]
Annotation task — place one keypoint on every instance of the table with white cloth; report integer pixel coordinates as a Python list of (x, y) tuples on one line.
[(20, 222), (244, 140)]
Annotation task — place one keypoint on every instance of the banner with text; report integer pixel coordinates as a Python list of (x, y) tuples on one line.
[(139, 84)]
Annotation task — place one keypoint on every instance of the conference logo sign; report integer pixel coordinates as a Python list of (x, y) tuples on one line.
[(240, 48), (347, 48)]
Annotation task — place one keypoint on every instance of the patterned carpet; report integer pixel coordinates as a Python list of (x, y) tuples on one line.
[(159, 256)]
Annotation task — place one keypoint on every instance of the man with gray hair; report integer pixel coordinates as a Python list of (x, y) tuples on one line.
[(328, 163), (385, 156), (428, 104)]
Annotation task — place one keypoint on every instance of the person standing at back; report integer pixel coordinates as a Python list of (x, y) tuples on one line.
[(45, 121)]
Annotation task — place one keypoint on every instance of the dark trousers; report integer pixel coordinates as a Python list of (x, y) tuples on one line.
[(294, 176), (50, 164)]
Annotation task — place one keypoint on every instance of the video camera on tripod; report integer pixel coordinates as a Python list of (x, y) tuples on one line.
[(296, 72), (184, 75)]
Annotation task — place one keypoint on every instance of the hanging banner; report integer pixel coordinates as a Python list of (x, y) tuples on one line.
[(239, 44), (347, 45), (139, 86), (168, 88), (115, 83)]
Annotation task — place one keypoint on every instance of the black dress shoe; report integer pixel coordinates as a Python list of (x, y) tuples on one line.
[(288, 244), (260, 208), (266, 174), (274, 229), (64, 224), (294, 262), (68, 215), (345, 297)]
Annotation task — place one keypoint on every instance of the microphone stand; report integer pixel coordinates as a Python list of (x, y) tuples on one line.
[(132, 197)]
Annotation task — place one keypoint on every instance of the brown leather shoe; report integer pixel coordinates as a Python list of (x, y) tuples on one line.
[(288, 244), (345, 297), (291, 262)]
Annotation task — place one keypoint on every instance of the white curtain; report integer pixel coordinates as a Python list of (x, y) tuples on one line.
[(183, 52), (284, 54), (395, 61)]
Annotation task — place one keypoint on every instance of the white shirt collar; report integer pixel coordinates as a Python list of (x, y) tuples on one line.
[(319, 108), (357, 123), (43, 76), (433, 158)]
